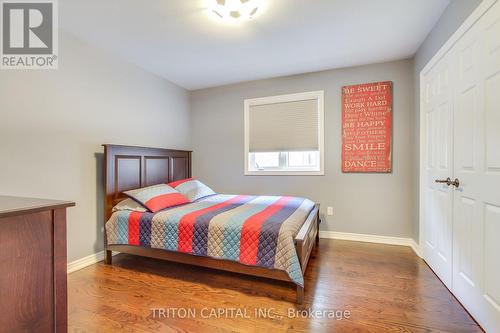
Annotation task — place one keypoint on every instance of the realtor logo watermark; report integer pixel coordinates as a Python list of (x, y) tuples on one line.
[(29, 34)]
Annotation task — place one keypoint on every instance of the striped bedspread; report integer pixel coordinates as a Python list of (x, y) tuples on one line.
[(252, 230)]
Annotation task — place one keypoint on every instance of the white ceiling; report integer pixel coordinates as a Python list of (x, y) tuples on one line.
[(180, 41)]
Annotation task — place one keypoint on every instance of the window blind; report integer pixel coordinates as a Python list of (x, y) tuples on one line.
[(287, 126)]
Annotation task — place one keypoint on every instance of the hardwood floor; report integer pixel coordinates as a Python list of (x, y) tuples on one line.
[(380, 288)]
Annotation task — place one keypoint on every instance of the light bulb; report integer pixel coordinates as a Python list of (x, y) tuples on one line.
[(234, 10)]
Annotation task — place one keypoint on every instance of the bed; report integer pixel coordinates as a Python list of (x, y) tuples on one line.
[(265, 236)]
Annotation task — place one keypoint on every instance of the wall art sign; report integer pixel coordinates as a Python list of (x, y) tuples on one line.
[(367, 127)]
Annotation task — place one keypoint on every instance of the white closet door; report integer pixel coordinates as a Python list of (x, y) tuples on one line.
[(476, 226), (437, 202)]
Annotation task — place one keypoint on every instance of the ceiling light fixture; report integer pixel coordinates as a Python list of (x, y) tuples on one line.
[(234, 10)]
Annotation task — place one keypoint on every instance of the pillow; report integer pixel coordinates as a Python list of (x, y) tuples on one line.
[(192, 189), (157, 197), (129, 204)]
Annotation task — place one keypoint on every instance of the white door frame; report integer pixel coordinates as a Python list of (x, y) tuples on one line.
[(469, 22)]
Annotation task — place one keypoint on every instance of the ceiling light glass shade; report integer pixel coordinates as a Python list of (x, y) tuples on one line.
[(234, 10)]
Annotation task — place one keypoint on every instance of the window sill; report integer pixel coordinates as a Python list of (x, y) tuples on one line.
[(284, 173)]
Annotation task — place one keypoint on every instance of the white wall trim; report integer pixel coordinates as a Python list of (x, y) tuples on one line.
[(318, 95), (388, 240), (416, 248), (468, 23), (99, 256), (86, 261)]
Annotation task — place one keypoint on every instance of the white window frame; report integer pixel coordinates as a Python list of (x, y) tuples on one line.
[(316, 95)]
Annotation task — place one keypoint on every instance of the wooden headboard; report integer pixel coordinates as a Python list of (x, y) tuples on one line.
[(128, 167)]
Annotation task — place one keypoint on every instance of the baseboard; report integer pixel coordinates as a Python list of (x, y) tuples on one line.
[(86, 261), (416, 248), (372, 239), (99, 256)]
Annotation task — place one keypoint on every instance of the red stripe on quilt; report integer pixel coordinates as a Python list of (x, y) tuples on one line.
[(165, 200), (177, 183), (134, 220), (186, 224), (250, 232)]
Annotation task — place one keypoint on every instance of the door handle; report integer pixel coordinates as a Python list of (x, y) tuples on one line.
[(456, 183), (449, 182), (446, 181)]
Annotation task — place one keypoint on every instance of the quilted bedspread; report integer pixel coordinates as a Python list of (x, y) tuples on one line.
[(252, 230)]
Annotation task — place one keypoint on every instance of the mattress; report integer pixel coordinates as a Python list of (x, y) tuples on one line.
[(251, 230)]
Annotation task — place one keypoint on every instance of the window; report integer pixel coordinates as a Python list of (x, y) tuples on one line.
[(284, 134), (280, 161)]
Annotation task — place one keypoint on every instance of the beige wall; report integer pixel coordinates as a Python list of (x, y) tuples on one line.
[(378, 204), (52, 125)]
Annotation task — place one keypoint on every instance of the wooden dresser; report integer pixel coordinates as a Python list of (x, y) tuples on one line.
[(33, 295)]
